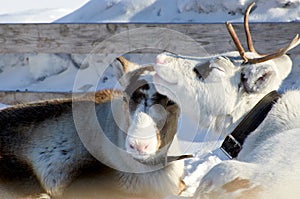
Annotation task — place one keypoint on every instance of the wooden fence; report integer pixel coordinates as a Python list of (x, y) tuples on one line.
[(82, 38)]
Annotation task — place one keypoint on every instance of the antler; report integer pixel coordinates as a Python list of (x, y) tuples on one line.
[(236, 41), (246, 27), (278, 53), (295, 42)]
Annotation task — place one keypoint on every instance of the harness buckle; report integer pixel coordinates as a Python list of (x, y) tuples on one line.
[(231, 147)]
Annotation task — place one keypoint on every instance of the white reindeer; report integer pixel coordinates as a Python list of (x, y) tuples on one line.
[(225, 88), (138, 126)]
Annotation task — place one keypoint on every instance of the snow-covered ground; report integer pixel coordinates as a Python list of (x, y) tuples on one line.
[(57, 72)]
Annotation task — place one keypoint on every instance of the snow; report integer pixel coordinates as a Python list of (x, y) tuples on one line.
[(2, 106), (183, 11), (158, 11), (60, 72)]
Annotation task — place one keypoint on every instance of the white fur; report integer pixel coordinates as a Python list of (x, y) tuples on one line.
[(157, 184), (269, 164), (221, 84), (147, 119), (142, 137), (269, 159)]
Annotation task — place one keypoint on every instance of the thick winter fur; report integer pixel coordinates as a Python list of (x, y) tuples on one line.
[(269, 163), (224, 90), (47, 142), (43, 138)]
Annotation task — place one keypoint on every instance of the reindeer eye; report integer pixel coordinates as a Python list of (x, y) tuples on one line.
[(157, 97), (145, 87), (170, 103), (137, 96), (225, 57), (232, 59)]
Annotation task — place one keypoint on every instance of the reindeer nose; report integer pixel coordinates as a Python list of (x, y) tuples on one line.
[(162, 59), (141, 148)]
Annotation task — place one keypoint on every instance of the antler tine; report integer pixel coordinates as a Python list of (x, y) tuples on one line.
[(236, 41), (247, 30), (295, 42)]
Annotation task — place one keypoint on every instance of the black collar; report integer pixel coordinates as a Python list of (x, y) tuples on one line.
[(233, 143)]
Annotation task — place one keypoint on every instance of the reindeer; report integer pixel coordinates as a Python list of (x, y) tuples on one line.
[(228, 89), (46, 142)]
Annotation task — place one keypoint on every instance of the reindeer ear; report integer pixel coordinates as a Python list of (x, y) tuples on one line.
[(122, 67), (283, 65)]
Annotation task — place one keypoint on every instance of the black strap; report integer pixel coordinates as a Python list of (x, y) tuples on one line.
[(233, 143)]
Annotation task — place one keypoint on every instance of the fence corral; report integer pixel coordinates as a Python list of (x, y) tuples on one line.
[(82, 38)]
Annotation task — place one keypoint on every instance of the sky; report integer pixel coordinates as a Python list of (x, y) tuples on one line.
[(11, 6)]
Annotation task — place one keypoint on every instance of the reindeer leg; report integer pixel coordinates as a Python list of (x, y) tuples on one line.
[(59, 165), (54, 177)]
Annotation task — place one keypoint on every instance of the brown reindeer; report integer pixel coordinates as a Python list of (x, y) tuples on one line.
[(50, 143)]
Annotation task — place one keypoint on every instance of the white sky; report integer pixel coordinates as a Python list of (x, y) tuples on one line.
[(11, 6)]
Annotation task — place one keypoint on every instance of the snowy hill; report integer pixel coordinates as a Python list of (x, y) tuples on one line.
[(35, 11), (196, 11), (151, 11)]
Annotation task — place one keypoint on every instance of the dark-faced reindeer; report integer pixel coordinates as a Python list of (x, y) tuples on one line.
[(50, 139), (225, 88)]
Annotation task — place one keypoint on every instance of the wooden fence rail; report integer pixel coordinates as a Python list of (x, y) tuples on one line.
[(83, 38)]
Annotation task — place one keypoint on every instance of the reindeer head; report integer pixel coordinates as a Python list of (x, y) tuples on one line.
[(153, 117), (225, 85)]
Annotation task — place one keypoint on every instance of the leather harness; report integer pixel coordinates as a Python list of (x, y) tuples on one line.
[(233, 143)]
